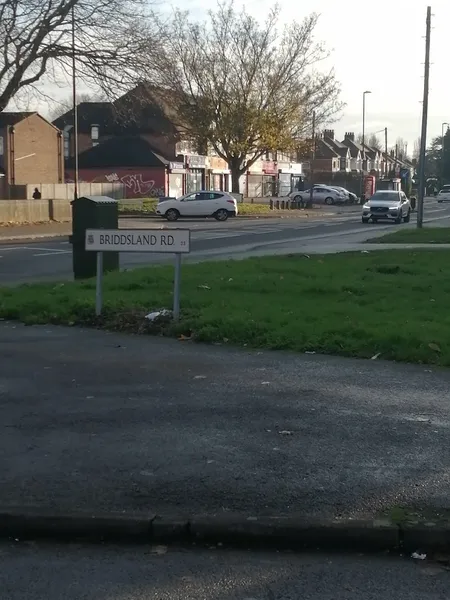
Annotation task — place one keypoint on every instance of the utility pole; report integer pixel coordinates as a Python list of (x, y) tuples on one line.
[(443, 154), (313, 158), (386, 174), (363, 196), (423, 139)]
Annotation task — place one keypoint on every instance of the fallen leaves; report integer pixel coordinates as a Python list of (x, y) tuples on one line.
[(434, 347)]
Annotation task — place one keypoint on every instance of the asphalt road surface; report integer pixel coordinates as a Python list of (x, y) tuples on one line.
[(52, 259), (99, 421), (52, 572)]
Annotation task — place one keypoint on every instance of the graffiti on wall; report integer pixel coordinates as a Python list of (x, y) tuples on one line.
[(136, 185)]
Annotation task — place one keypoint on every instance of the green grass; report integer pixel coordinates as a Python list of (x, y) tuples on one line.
[(148, 206), (144, 206), (394, 303), (426, 235)]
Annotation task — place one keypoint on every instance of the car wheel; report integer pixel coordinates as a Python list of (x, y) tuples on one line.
[(374, 220), (298, 199), (329, 201), (407, 218), (221, 215), (398, 220), (364, 220), (172, 214)]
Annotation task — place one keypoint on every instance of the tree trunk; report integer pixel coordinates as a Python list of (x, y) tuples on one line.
[(235, 176)]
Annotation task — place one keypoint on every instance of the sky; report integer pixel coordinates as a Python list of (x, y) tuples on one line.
[(378, 46)]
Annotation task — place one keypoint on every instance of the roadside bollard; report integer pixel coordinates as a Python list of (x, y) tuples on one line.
[(277, 205), (271, 204), (288, 204)]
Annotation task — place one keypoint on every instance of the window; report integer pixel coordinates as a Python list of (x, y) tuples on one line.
[(191, 197), (207, 196), (66, 144), (94, 134)]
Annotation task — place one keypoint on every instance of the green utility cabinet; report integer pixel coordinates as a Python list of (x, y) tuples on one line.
[(92, 212)]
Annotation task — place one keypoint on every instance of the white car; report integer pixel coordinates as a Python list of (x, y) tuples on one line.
[(444, 194), (387, 205), (322, 194), (219, 205)]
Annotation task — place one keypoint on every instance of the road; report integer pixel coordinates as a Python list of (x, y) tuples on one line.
[(100, 421), (52, 572), (52, 259)]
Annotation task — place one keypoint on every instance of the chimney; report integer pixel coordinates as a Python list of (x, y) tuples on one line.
[(329, 133), (349, 135)]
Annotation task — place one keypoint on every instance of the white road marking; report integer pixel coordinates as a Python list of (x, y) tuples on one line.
[(55, 253)]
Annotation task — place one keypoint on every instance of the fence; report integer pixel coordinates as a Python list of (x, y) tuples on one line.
[(65, 191), (34, 211)]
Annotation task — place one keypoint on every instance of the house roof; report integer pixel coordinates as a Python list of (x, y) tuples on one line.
[(371, 152), (339, 148), (127, 151), (353, 146), (11, 118), (144, 108), (89, 113), (325, 150)]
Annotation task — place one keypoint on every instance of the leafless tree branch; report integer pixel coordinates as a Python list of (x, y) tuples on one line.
[(36, 44)]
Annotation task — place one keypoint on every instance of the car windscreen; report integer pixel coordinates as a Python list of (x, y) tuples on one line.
[(445, 189), (386, 197)]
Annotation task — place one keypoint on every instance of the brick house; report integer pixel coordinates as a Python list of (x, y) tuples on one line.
[(144, 115), (355, 150), (129, 160), (31, 151), (340, 149)]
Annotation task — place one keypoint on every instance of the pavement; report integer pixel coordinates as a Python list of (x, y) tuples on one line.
[(111, 423), (52, 259), (51, 572)]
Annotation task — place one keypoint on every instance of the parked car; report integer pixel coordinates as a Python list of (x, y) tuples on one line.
[(387, 205), (444, 194), (322, 194), (219, 205), (350, 196)]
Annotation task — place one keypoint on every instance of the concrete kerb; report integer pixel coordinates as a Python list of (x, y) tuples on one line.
[(228, 530)]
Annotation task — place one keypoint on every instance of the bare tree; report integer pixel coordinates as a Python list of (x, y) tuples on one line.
[(245, 88), (371, 140), (401, 148), (36, 43), (63, 106), (416, 149)]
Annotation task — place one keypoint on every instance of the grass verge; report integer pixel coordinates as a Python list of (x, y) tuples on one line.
[(142, 206), (388, 304), (148, 205), (426, 235)]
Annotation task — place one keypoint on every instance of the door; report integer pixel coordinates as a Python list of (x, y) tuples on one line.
[(319, 195), (175, 185), (208, 203), (190, 206)]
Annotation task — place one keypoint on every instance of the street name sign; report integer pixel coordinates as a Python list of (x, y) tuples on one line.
[(173, 241), (138, 240)]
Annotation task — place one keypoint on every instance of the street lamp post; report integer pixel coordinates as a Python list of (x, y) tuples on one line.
[(363, 142), (74, 106), (443, 148)]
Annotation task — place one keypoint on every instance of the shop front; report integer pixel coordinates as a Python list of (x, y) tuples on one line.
[(254, 181), (196, 173), (219, 174), (290, 178), (270, 175), (177, 176)]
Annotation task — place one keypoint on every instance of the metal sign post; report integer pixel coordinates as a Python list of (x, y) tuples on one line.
[(173, 241), (177, 287), (99, 285)]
